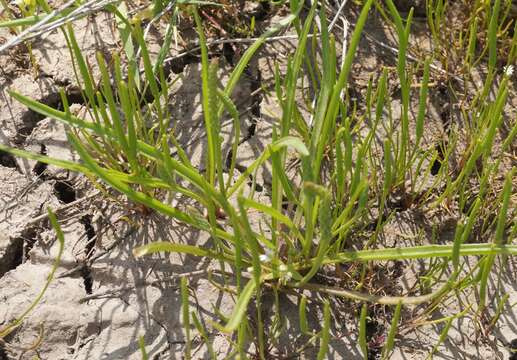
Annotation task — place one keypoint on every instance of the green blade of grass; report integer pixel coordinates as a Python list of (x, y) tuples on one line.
[(185, 317), (288, 141), (325, 223), (83, 68), (132, 194), (240, 308), (202, 331), (302, 316), (443, 337), (163, 246), (64, 164), (141, 345), (210, 107), (422, 252), (362, 331), (248, 54), (118, 128), (335, 99), (274, 213), (388, 347), (422, 106), (498, 239), (325, 332)]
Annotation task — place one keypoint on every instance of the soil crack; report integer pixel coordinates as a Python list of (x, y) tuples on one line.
[(86, 271)]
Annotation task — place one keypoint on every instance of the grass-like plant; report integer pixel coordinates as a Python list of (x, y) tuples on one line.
[(346, 174)]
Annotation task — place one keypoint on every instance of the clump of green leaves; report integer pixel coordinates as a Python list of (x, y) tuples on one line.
[(126, 144)]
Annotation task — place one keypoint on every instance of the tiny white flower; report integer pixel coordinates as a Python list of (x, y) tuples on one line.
[(282, 268), (267, 256), (508, 70)]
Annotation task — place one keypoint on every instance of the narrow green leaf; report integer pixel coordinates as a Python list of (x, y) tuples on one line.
[(141, 345), (325, 332), (119, 133), (288, 141), (325, 224), (292, 142), (164, 246), (362, 331), (388, 347), (302, 315), (64, 164), (422, 103), (202, 331), (248, 54), (83, 68), (185, 316), (210, 106), (498, 239), (422, 252), (443, 337), (240, 307), (342, 82)]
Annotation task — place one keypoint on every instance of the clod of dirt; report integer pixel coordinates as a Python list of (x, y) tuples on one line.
[(58, 312), (258, 10), (399, 201)]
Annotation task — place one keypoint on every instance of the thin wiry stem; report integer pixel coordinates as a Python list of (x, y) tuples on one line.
[(44, 26)]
